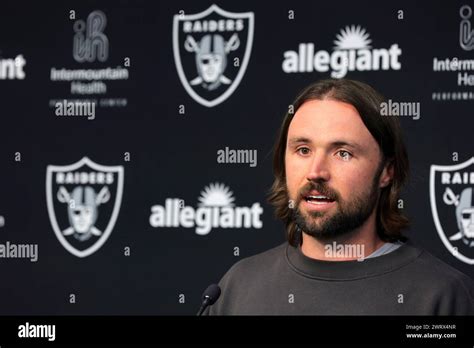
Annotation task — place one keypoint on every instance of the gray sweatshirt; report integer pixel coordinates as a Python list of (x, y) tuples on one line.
[(283, 281)]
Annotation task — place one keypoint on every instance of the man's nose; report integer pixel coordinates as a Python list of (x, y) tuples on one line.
[(319, 169)]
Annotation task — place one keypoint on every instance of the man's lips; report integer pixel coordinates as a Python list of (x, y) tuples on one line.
[(316, 197)]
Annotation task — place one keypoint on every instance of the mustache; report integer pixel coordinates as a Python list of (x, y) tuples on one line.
[(321, 188)]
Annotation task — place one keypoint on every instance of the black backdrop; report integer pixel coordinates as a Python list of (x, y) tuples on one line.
[(169, 154)]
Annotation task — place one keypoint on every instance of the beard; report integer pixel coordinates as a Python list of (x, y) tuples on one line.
[(350, 214)]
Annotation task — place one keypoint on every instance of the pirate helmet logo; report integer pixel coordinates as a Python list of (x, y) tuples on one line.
[(81, 198), (204, 44), (451, 198)]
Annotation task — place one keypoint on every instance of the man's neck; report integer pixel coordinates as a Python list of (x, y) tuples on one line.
[(356, 245)]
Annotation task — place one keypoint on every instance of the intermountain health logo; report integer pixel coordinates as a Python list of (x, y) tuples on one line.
[(83, 202), (460, 66), (87, 78), (452, 205), (215, 209), (466, 30), (352, 52), (90, 42), (211, 52)]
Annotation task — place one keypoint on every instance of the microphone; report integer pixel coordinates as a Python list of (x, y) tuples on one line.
[(209, 297)]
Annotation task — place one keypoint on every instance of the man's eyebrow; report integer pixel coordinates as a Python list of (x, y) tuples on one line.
[(299, 140), (337, 143)]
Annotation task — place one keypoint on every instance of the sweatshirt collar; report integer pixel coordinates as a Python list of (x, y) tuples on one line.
[(351, 270)]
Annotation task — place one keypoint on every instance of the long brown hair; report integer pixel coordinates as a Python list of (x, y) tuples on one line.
[(385, 130)]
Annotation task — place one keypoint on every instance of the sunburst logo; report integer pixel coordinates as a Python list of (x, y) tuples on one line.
[(352, 38), (216, 195)]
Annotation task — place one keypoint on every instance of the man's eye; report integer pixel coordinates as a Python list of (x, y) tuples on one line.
[(345, 155), (303, 150)]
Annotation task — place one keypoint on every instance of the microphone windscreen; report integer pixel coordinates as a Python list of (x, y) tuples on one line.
[(212, 292)]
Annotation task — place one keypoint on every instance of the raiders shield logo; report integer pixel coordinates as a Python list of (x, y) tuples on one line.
[(211, 52), (452, 205), (83, 202)]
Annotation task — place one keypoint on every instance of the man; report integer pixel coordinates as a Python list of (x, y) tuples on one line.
[(339, 167)]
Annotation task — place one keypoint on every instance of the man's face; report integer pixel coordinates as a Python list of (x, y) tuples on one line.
[(333, 169)]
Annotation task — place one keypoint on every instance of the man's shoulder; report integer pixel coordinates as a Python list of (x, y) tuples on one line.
[(445, 275)]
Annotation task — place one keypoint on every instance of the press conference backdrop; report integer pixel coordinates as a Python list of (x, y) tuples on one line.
[(123, 191)]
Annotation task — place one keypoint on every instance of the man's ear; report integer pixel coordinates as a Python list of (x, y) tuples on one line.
[(386, 176)]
